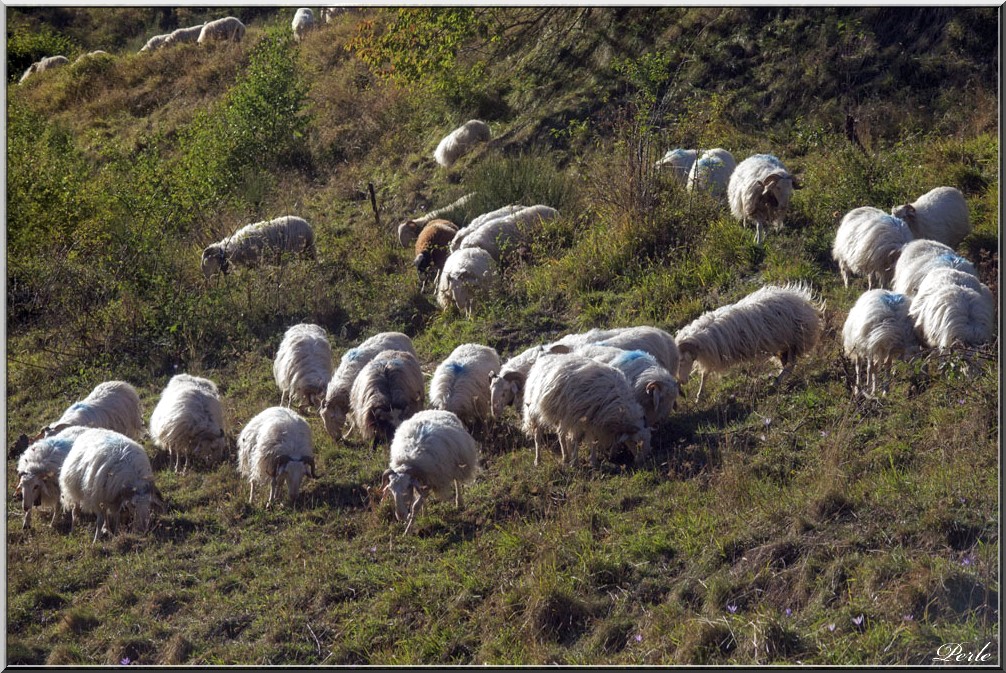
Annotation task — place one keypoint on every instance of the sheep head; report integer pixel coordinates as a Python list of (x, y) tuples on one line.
[(777, 189), (408, 232), (293, 471), (333, 416), (402, 487), (905, 213), (686, 363), (503, 390), (214, 260), (137, 501)]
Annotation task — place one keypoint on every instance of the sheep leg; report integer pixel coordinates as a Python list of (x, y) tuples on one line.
[(272, 493), (251, 491), (97, 526), (74, 513), (457, 494), (416, 504), (702, 382), (27, 518), (758, 233), (55, 513), (538, 438)]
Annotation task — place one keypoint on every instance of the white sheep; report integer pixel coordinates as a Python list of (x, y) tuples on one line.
[(183, 35), (188, 420), (711, 172), (868, 243), (303, 365), (760, 189), (47, 63), (480, 220), (337, 395), (409, 230), (505, 233), (919, 258), (430, 452), (948, 313), (38, 472), (251, 244), (227, 28), (91, 54), (679, 161), (466, 274), (114, 405), (940, 214), (387, 391), (878, 331), (582, 399), (654, 387), (274, 446), (460, 383), (303, 21), (781, 321), (105, 474), (507, 385), (432, 250), (653, 340), (460, 141)]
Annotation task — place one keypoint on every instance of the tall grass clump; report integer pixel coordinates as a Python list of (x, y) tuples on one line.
[(528, 178)]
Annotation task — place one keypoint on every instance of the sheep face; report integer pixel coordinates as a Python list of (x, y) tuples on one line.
[(32, 489), (408, 232), (685, 366), (212, 448), (777, 190), (138, 503), (503, 391), (333, 416), (214, 260), (905, 213), (293, 473), (403, 490), (639, 442)]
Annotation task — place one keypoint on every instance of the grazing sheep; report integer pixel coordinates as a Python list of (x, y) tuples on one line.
[(47, 63), (465, 275), (582, 399), (504, 233), (760, 189), (868, 243), (106, 473), (507, 386), (947, 313), (877, 331), (188, 420), (409, 230), (460, 141), (303, 21), (432, 249), (652, 340), (38, 472), (680, 162), (154, 43), (919, 258), (484, 218), (227, 28), (388, 390), (91, 54), (113, 405), (711, 172), (781, 321), (654, 386), (337, 396), (250, 244), (461, 382), (276, 445), (190, 34), (430, 452), (940, 214), (303, 365)]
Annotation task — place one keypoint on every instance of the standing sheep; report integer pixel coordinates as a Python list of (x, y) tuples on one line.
[(155, 43), (227, 28), (652, 340), (430, 452), (188, 420), (38, 471), (387, 391), (303, 21), (459, 141), (337, 396), (47, 63), (106, 473), (781, 321), (409, 230), (760, 189), (251, 243), (504, 233), (276, 445), (919, 258), (680, 162), (113, 405), (940, 214), (654, 387), (948, 314), (711, 172), (432, 249), (465, 275), (303, 365), (461, 382), (477, 222), (868, 243), (190, 34), (507, 386), (877, 331)]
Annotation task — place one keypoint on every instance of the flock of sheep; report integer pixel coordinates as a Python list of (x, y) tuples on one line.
[(607, 388)]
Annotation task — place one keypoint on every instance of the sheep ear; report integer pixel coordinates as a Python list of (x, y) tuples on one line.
[(385, 479), (512, 377), (558, 349)]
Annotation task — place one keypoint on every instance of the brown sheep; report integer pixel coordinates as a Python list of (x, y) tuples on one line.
[(432, 249)]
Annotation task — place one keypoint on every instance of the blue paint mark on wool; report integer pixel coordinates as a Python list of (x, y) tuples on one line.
[(630, 356), (952, 259), (710, 162), (455, 367), (893, 299), (61, 444), (77, 406), (351, 354)]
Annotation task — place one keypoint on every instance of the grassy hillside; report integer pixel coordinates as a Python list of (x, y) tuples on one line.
[(772, 524)]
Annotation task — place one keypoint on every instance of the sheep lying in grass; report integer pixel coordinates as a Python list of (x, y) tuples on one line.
[(949, 312), (782, 321), (654, 387), (106, 474), (479, 221), (113, 405), (466, 274), (227, 28), (940, 214), (38, 471), (303, 365), (460, 383), (868, 243), (711, 172), (188, 420), (878, 331), (387, 391), (409, 230), (760, 189), (505, 233), (252, 244), (430, 452), (459, 141), (919, 258), (582, 399), (679, 161), (432, 249), (274, 446), (337, 396), (303, 21), (47, 63)]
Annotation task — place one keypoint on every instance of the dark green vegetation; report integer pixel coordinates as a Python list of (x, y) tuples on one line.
[(772, 525)]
